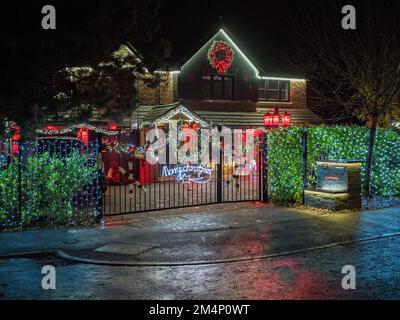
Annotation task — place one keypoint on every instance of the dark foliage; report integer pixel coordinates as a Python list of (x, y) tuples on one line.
[(87, 32)]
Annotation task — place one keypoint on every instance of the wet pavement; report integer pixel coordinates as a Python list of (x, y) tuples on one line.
[(314, 275), (247, 252)]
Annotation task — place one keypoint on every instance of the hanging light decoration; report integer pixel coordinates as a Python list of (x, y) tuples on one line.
[(271, 120), (275, 118), (286, 118), (267, 119)]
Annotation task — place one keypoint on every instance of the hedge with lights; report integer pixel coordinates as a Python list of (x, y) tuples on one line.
[(285, 158), (49, 186)]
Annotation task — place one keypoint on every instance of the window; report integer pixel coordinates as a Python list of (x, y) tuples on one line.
[(206, 87), (273, 90), (218, 87), (228, 88)]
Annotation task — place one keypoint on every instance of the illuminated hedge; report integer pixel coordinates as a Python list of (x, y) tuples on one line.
[(330, 143), (48, 184)]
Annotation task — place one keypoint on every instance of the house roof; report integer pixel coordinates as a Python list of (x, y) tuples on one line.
[(162, 113)]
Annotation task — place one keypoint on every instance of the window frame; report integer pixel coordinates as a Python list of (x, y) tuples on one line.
[(266, 90), (212, 82)]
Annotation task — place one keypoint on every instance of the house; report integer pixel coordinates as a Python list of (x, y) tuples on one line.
[(220, 84)]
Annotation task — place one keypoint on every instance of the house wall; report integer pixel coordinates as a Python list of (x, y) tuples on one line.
[(187, 84), (165, 93), (190, 76)]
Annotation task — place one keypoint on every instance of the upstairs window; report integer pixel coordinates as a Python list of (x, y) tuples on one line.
[(218, 87), (273, 90)]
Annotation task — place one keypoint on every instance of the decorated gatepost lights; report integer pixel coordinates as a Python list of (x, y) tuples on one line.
[(271, 120), (286, 118)]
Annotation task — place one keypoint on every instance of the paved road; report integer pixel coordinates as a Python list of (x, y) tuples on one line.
[(313, 275), (299, 255)]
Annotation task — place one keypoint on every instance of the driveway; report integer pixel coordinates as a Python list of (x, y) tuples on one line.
[(234, 252)]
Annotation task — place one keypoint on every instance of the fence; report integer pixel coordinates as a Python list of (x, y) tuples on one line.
[(49, 182), (136, 186), (62, 181)]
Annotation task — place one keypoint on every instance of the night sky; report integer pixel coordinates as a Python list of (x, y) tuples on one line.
[(261, 28)]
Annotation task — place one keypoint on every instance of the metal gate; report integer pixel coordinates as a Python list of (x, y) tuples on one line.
[(133, 185)]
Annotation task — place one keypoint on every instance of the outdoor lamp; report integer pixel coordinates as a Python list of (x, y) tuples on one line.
[(112, 127), (275, 118), (268, 119), (286, 119)]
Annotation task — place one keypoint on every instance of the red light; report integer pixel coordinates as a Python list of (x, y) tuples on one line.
[(14, 148), (113, 127), (275, 118), (51, 127), (16, 137), (286, 119), (83, 134), (268, 119)]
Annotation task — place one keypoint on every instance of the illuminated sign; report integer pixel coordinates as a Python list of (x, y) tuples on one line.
[(332, 178), (188, 173)]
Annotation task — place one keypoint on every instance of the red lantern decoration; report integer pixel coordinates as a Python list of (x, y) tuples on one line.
[(112, 127), (286, 119), (15, 148), (83, 135), (16, 137), (268, 119), (275, 118)]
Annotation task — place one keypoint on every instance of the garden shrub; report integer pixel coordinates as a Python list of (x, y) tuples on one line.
[(49, 186), (8, 191), (285, 164)]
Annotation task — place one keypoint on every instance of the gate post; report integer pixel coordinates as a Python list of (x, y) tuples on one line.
[(260, 169), (219, 169), (19, 177), (305, 157), (265, 194), (99, 203)]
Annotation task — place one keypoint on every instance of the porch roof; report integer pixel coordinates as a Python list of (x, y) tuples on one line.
[(229, 114)]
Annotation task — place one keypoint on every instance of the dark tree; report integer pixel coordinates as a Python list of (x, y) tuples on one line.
[(357, 71), (86, 34)]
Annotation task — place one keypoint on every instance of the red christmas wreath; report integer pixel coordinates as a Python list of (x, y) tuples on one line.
[(220, 55)]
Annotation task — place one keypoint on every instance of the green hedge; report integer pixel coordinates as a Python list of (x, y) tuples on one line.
[(49, 185), (330, 143)]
